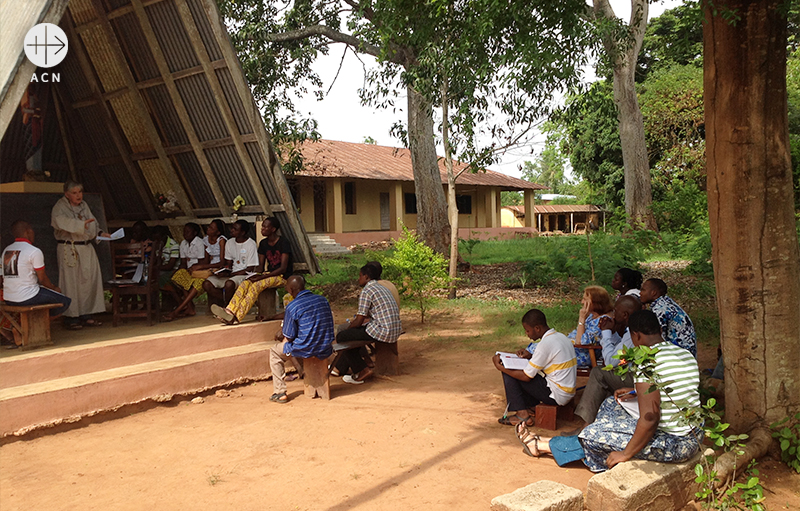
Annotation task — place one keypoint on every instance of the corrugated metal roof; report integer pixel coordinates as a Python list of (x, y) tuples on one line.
[(557, 209), (121, 115), (171, 35), (328, 158)]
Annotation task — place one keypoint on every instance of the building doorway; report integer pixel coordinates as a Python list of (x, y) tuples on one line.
[(320, 206), (385, 219)]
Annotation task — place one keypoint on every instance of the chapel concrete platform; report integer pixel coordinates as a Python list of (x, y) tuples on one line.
[(101, 369)]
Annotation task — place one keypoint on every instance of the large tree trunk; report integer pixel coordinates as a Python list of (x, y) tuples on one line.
[(432, 225), (623, 54), (750, 206)]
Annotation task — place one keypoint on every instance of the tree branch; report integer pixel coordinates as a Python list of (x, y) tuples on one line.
[(325, 31)]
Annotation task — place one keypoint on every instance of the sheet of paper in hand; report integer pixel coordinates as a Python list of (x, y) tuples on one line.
[(512, 361)]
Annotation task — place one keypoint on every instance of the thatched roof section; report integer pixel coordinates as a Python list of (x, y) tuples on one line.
[(152, 99)]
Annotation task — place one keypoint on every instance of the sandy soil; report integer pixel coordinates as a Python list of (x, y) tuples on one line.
[(426, 439)]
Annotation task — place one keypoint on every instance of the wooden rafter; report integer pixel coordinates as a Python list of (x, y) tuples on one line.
[(141, 108), (152, 82), (265, 144), (108, 119), (227, 114), (180, 107)]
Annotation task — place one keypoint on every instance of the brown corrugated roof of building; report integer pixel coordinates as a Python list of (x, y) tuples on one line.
[(557, 208), (329, 158)]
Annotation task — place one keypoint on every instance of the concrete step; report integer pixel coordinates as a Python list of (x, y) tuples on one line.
[(30, 406), (323, 244), (65, 362)]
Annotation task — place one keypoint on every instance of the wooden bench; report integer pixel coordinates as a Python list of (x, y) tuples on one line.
[(387, 360), (546, 415), (33, 329)]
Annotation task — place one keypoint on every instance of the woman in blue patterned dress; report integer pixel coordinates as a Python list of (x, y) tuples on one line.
[(596, 303)]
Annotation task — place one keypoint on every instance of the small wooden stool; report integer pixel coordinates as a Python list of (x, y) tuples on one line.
[(545, 415), (33, 329), (387, 361), (267, 302), (316, 381)]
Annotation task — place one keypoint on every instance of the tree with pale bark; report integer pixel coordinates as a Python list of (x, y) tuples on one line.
[(622, 45)]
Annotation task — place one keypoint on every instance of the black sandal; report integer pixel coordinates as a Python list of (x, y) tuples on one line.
[(506, 420)]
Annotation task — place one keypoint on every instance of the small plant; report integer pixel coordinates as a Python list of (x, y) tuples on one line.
[(468, 244), (422, 273), (787, 431), (523, 278)]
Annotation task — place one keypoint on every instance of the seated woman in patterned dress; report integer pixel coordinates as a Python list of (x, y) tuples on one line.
[(652, 428), (193, 258), (596, 303)]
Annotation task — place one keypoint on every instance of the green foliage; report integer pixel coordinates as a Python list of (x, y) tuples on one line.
[(468, 244), (674, 37), (510, 199), (336, 269), (793, 90), (733, 495), (421, 272), (787, 432), (549, 166)]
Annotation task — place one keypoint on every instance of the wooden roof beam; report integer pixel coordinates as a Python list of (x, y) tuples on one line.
[(180, 107), (146, 84), (108, 120), (227, 114), (144, 115)]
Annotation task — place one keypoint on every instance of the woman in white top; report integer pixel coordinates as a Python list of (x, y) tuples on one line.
[(214, 242), (626, 282), (193, 258)]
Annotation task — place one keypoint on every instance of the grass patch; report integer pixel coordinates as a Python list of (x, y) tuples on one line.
[(503, 319), (336, 269)]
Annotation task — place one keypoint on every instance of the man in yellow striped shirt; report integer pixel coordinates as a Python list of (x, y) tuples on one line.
[(549, 377)]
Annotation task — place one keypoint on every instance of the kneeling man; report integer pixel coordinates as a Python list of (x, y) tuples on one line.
[(307, 332)]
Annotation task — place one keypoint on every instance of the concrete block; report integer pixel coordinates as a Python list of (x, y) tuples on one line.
[(643, 486), (541, 496)]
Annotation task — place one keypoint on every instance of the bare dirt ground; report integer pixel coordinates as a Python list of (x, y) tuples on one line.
[(426, 439)]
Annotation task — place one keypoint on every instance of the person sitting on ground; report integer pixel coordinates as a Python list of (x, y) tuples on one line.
[(601, 384), (377, 320), (549, 377), (652, 430), (676, 325), (193, 255), (307, 332), (627, 282), (25, 281), (241, 258), (596, 303), (275, 252)]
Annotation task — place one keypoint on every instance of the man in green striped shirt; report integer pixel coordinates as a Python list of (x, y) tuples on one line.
[(653, 430)]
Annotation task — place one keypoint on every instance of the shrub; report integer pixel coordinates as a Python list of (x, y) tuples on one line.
[(421, 272)]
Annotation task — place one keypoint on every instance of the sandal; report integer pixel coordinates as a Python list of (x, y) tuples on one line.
[(73, 326), (506, 420), (281, 398), (92, 322), (223, 315), (525, 437)]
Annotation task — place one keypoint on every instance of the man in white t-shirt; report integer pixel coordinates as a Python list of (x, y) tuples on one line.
[(549, 377), (241, 258), (24, 279)]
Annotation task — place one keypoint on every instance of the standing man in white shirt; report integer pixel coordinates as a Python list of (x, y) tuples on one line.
[(25, 281), (549, 377)]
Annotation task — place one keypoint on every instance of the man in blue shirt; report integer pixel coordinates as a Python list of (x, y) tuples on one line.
[(676, 326), (307, 332)]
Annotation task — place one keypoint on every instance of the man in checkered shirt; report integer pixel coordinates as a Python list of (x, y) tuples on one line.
[(377, 320)]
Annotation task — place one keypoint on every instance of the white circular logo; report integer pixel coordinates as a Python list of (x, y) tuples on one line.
[(46, 45)]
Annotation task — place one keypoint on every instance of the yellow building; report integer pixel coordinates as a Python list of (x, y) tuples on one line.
[(358, 188)]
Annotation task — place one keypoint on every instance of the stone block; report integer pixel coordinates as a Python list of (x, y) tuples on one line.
[(540, 496), (643, 486)]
